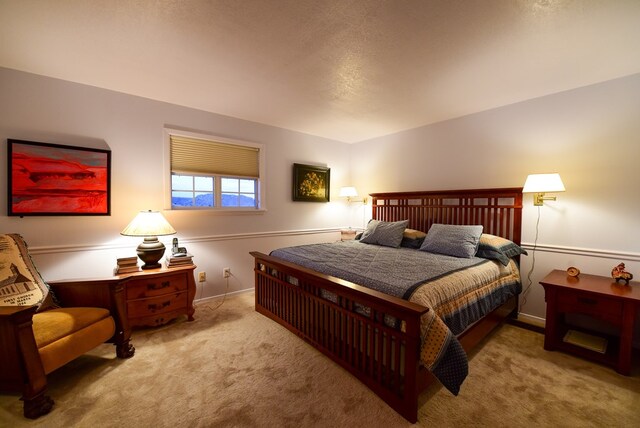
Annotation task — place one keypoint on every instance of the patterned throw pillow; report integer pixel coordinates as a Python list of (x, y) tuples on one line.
[(20, 281), (384, 233), (452, 240), (498, 248), (412, 238), (413, 234)]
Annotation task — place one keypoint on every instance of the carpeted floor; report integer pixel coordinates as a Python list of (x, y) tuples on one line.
[(232, 367)]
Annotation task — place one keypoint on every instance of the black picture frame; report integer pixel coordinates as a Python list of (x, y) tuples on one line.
[(311, 183), (46, 179)]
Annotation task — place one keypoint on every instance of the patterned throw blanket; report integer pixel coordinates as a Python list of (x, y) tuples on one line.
[(457, 291), (20, 282)]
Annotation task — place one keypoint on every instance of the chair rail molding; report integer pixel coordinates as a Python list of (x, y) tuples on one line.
[(56, 249), (585, 252)]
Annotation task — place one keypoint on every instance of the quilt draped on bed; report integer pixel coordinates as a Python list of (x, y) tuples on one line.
[(457, 291)]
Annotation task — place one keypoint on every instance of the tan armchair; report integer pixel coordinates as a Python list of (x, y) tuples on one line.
[(39, 334)]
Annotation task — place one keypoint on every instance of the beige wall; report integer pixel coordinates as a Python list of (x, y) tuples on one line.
[(591, 136), (43, 109)]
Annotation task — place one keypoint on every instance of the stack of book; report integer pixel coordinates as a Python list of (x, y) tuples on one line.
[(173, 261), (126, 265)]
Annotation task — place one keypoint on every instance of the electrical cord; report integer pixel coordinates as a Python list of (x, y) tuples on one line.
[(224, 297), (527, 288)]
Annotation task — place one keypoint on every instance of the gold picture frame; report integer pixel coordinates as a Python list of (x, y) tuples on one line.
[(311, 183)]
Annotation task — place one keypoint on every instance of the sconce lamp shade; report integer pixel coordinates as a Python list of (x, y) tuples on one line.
[(541, 184), (149, 224), (348, 192)]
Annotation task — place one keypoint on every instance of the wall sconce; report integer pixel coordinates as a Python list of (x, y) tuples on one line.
[(149, 224), (350, 192), (539, 184)]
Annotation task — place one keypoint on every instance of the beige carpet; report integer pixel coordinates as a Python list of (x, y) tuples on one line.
[(234, 367)]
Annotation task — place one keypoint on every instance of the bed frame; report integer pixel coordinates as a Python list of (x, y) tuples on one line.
[(383, 358)]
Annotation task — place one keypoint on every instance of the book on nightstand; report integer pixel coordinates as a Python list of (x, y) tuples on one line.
[(126, 265), (173, 261)]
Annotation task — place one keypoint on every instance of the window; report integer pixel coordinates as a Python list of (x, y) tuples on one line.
[(238, 192), (192, 191), (214, 173)]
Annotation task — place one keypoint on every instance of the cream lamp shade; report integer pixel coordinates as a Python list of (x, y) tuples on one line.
[(150, 225), (348, 192), (539, 184)]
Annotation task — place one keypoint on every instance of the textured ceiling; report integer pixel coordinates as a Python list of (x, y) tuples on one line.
[(345, 70)]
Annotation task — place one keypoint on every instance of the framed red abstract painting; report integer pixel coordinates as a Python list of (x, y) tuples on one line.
[(54, 179)]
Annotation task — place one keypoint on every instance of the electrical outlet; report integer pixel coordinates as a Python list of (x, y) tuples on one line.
[(226, 272), (202, 276)]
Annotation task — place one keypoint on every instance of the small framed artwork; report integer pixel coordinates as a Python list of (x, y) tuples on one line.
[(310, 183), (54, 179)]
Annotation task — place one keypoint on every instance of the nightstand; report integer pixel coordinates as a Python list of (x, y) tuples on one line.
[(347, 234), (156, 296), (600, 298)]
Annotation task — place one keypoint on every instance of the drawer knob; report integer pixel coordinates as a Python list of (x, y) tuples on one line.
[(154, 286), (587, 301), (158, 306)]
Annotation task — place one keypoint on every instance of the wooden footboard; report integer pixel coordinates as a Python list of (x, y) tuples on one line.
[(350, 324)]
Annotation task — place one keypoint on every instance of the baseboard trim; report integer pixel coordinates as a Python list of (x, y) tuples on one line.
[(529, 322)]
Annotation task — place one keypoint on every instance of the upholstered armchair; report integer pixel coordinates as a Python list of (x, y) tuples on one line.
[(43, 328)]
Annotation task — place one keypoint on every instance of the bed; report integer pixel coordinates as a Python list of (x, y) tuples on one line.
[(378, 336)]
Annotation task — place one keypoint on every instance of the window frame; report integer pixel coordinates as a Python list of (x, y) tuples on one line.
[(217, 191)]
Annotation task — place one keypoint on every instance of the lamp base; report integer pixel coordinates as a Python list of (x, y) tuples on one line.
[(150, 251)]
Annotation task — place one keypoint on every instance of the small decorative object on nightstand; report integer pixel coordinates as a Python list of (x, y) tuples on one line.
[(599, 298), (573, 271), (347, 234), (619, 274)]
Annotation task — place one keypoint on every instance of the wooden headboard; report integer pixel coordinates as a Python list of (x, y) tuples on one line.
[(499, 211)]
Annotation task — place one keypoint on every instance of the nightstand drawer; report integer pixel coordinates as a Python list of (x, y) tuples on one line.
[(150, 287), (590, 304), (156, 305)]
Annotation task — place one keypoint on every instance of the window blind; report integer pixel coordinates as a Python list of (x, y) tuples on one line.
[(195, 155)]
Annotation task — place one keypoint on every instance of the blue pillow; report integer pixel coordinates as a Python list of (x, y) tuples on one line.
[(452, 240), (384, 233), (498, 248)]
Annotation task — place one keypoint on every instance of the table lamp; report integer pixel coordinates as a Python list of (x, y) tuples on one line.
[(150, 225)]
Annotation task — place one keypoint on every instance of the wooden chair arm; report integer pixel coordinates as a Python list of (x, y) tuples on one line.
[(16, 312)]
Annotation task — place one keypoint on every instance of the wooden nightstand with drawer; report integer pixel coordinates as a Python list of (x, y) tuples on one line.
[(156, 296), (600, 298)]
